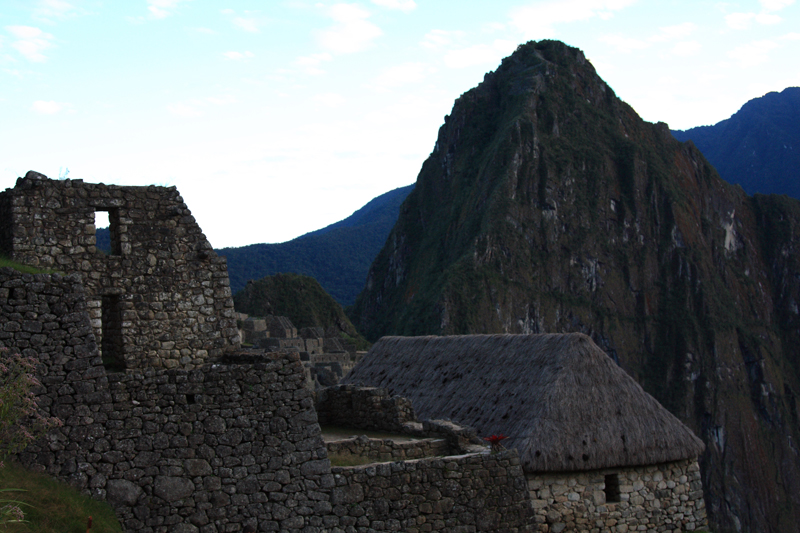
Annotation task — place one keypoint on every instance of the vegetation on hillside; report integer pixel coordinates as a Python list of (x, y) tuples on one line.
[(549, 206), (303, 300), (35, 502), (758, 147), (51, 506), (338, 256)]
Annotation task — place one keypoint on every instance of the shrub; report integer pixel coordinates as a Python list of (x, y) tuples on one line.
[(21, 422)]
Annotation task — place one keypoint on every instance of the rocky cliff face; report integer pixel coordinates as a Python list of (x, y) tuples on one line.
[(548, 205)]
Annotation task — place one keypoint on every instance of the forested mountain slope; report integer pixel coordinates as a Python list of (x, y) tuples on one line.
[(338, 256), (548, 205), (758, 147)]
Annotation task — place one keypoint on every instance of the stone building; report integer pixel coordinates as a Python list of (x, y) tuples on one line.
[(599, 453), (159, 299), (326, 359), (235, 444)]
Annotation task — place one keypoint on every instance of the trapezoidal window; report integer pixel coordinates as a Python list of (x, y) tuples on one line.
[(106, 231), (612, 488), (111, 343)]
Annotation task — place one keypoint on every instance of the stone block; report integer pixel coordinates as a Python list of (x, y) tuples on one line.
[(122, 492), (172, 489)]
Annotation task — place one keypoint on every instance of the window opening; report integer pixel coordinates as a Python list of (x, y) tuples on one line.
[(106, 231), (612, 488), (111, 343)]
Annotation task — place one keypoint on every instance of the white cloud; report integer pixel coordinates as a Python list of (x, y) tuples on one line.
[(791, 37), (247, 24), (490, 27), (238, 56), (678, 31), (739, 21), (49, 107), (184, 110), (401, 75), (194, 108), (479, 54), (742, 21), (665, 34), (440, 38), (221, 100), (310, 64), (775, 5), (686, 48), (329, 99), (313, 60), (163, 8), (624, 44), (752, 54), (352, 31), (30, 42), (767, 18), (50, 9), (538, 21), (403, 5)]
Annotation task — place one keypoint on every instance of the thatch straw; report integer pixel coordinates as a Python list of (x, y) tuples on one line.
[(564, 404)]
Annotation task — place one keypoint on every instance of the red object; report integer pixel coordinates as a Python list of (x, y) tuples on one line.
[(495, 439), (89, 525)]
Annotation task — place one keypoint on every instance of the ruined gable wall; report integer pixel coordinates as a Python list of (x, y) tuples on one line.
[(164, 291), (211, 448)]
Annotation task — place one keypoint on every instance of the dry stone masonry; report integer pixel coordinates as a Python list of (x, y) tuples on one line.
[(382, 450), (657, 498), (464, 493), (215, 448), (326, 359), (364, 408), (160, 299)]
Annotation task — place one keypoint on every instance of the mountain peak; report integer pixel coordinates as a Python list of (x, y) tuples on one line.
[(549, 206)]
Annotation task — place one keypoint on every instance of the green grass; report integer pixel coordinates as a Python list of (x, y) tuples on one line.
[(51, 506), (25, 269)]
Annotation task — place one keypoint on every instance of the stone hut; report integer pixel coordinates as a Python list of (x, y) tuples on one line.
[(281, 327), (599, 453), (160, 299)]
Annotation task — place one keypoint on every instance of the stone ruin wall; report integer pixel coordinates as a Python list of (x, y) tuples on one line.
[(364, 408), (326, 359), (222, 446), (377, 450), (162, 296), (462, 494), (656, 498)]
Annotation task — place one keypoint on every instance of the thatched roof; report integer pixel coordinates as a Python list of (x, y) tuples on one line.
[(564, 404)]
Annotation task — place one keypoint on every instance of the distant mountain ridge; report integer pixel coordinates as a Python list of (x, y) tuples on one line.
[(338, 256), (758, 147)]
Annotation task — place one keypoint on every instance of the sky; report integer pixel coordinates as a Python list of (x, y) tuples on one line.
[(274, 118)]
